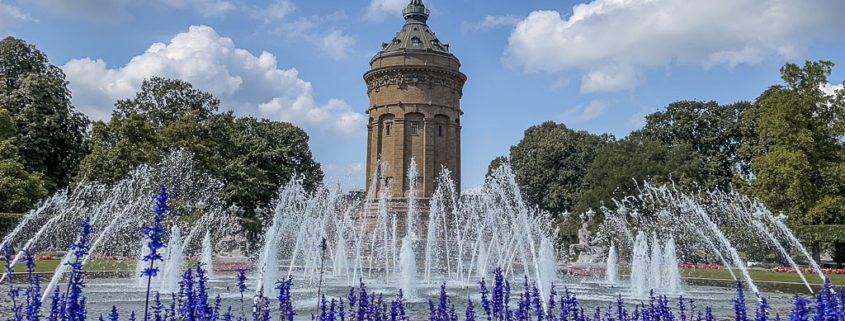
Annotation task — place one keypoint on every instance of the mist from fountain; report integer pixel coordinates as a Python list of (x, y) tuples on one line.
[(407, 257), (671, 274), (611, 274), (656, 263), (173, 262), (640, 267), (207, 257), (460, 241), (369, 238), (703, 222), (140, 264)]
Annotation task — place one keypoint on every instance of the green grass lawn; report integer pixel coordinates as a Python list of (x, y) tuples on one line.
[(756, 275), (92, 265), (761, 275)]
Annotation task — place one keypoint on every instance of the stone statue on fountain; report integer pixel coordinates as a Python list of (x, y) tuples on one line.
[(587, 247), (230, 250)]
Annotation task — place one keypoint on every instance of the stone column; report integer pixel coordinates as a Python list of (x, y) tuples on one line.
[(457, 177), (370, 163), (397, 162), (430, 168)]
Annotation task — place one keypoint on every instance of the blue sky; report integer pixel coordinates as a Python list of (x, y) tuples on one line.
[(595, 65)]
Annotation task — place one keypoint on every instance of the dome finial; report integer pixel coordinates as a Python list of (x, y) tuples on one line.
[(416, 10)]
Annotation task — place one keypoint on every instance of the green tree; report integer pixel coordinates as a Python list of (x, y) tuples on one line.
[(711, 130), (51, 134), (621, 166), (253, 158), (496, 163), (19, 189), (794, 144), (550, 163), (262, 156)]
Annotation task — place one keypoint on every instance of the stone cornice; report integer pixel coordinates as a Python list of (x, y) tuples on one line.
[(415, 106), (402, 77)]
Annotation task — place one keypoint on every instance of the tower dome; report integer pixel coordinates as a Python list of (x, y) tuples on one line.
[(415, 87), (415, 35)]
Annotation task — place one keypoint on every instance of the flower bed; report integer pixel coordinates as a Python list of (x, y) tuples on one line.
[(36, 257), (807, 270), (128, 257), (701, 266)]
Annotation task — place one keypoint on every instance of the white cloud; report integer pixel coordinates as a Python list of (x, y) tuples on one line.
[(609, 79), (638, 120), (335, 44), (492, 22), (560, 83), (11, 16), (212, 63), (379, 9), (831, 89), (634, 35), (336, 118), (580, 114), (274, 12)]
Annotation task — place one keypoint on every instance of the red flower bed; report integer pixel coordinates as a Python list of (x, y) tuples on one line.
[(129, 257), (113, 257), (808, 271), (701, 266), (38, 257)]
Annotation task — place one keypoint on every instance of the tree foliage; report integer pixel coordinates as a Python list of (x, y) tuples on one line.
[(551, 162), (19, 189), (251, 157), (711, 131), (622, 166), (794, 145), (496, 163), (50, 133)]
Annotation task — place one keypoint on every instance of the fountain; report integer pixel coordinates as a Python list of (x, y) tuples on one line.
[(207, 257), (464, 238), (639, 267), (173, 262), (671, 275), (611, 274), (140, 265), (407, 258)]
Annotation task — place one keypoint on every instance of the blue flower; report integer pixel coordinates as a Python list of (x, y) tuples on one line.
[(470, 312), (113, 316), (33, 289), (800, 310), (74, 300), (285, 300), (762, 313), (739, 303), (242, 287), (155, 234)]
